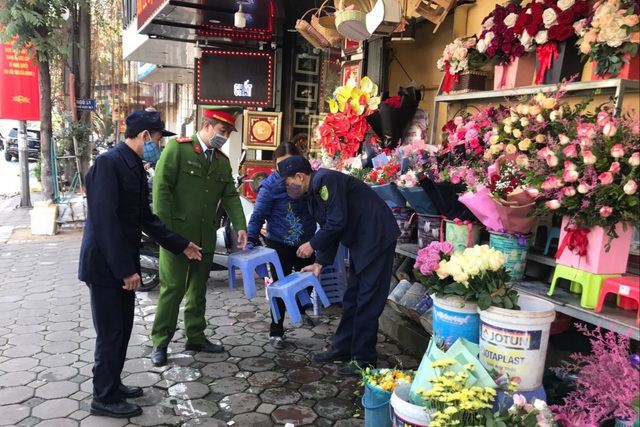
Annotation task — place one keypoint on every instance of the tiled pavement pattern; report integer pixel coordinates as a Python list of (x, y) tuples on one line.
[(47, 341)]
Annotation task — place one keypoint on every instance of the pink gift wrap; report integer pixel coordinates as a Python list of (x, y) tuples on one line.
[(483, 207), (518, 73), (514, 218), (596, 260)]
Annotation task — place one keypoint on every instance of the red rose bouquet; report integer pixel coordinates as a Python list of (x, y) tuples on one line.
[(498, 38), (383, 174)]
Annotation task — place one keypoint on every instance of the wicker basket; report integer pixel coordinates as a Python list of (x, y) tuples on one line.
[(310, 34), (351, 19), (325, 24), (470, 81)]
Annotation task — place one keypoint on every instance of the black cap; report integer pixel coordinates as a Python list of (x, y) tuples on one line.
[(140, 120), (291, 166)]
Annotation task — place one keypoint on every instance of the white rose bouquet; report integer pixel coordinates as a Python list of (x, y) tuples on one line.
[(477, 275)]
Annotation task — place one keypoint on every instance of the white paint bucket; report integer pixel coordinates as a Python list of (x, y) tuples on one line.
[(407, 414), (514, 343)]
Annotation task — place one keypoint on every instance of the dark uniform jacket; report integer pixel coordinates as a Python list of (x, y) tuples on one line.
[(118, 211), (349, 212)]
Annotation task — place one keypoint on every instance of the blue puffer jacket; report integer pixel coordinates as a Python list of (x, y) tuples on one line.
[(288, 220)]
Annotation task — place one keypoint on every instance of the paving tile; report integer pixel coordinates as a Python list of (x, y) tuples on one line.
[(95, 421), (143, 379), (156, 415), (26, 339), (189, 390), (319, 390), (280, 396), (305, 374), (290, 360), (226, 386), (55, 408), (17, 394), (62, 336), (181, 374), (59, 373), (138, 365), (59, 360), (335, 408), (58, 422), (197, 408), (245, 339), (267, 379), (246, 351), (239, 403), (256, 364), (13, 414), (253, 420), (350, 422), (80, 395), (295, 414), (151, 396), (16, 378), (57, 389), (79, 415), (28, 329), (211, 357), (220, 370)]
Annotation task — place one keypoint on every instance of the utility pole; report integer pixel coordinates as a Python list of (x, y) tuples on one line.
[(23, 156)]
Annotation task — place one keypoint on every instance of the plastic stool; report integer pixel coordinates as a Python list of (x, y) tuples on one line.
[(628, 287), (589, 284), (287, 289), (554, 233), (248, 261), (545, 221), (333, 279)]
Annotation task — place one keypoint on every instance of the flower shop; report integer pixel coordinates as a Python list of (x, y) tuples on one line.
[(505, 138)]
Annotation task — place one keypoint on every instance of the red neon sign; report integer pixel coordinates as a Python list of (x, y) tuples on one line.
[(19, 89)]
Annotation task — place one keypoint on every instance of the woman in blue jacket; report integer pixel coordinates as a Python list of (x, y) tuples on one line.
[(289, 225)]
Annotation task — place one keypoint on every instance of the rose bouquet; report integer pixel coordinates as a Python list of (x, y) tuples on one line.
[(498, 38), (394, 116), (428, 261), (609, 34), (507, 188), (523, 414), (606, 381), (385, 174), (459, 56), (590, 174), (543, 25), (344, 128), (477, 275)]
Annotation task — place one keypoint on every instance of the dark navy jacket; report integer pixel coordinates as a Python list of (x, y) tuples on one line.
[(288, 220), (118, 211), (349, 212)]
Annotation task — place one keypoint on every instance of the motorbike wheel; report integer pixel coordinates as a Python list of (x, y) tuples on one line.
[(150, 279)]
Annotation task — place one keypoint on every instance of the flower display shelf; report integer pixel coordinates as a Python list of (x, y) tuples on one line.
[(566, 302), (618, 87)]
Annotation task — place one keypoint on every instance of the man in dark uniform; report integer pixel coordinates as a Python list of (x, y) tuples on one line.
[(192, 176), (348, 211), (118, 211)]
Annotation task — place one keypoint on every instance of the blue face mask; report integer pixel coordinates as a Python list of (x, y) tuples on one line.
[(150, 152)]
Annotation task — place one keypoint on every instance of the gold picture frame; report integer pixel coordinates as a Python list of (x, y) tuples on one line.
[(261, 130), (315, 120)]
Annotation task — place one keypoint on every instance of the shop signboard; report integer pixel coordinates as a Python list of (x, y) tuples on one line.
[(19, 89), (147, 10)]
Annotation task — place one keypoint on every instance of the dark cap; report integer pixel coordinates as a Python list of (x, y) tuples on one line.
[(140, 120), (291, 166)]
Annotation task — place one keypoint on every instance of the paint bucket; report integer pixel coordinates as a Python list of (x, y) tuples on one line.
[(513, 343), (455, 318), (515, 251), (462, 236), (407, 414), (428, 229), (376, 406)]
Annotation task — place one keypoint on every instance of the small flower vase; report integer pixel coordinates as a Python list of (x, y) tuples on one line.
[(596, 260), (630, 70), (566, 65), (518, 73)]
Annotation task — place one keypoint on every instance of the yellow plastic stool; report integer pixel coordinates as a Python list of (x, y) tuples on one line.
[(589, 284)]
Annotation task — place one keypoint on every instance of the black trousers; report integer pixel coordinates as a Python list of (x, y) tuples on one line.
[(364, 301), (112, 309), (289, 261)]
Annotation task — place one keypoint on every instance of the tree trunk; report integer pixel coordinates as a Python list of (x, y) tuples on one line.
[(44, 78), (84, 80)]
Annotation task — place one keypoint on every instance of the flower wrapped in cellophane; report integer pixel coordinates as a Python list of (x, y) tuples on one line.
[(344, 128)]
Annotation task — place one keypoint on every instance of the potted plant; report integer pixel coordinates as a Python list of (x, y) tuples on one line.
[(606, 381), (463, 66), (610, 37)]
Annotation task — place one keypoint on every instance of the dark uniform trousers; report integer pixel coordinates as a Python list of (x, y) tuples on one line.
[(363, 303), (113, 323)]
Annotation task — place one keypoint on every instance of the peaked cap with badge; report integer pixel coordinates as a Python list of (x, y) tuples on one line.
[(224, 114)]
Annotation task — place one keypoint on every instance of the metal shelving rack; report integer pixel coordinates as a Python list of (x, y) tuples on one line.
[(618, 87)]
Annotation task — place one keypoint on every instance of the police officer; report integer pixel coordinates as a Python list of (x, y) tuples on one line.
[(348, 212), (191, 177), (118, 211)]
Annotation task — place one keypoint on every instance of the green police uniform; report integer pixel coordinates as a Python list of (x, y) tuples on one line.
[(186, 191)]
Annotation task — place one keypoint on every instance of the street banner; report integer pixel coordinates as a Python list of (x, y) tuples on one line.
[(19, 89)]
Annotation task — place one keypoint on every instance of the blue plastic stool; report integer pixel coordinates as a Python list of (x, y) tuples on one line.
[(287, 289), (249, 261), (554, 233), (333, 279)]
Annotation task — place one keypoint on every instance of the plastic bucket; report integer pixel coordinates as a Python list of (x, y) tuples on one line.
[(428, 229), (376, 407), (462, 236), (454, 318), (407, 414), (514, 252), (403, 218), (514, 343)]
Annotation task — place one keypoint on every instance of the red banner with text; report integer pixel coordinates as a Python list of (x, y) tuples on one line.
[(19, 89)]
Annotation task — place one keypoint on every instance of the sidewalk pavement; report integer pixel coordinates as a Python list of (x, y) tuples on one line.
[(47, 342)]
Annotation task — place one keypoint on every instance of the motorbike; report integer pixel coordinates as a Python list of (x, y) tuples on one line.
[(226, 242)]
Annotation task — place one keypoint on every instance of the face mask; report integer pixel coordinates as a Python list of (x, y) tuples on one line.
[(150, 152), (294, 190), (217, 141)]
